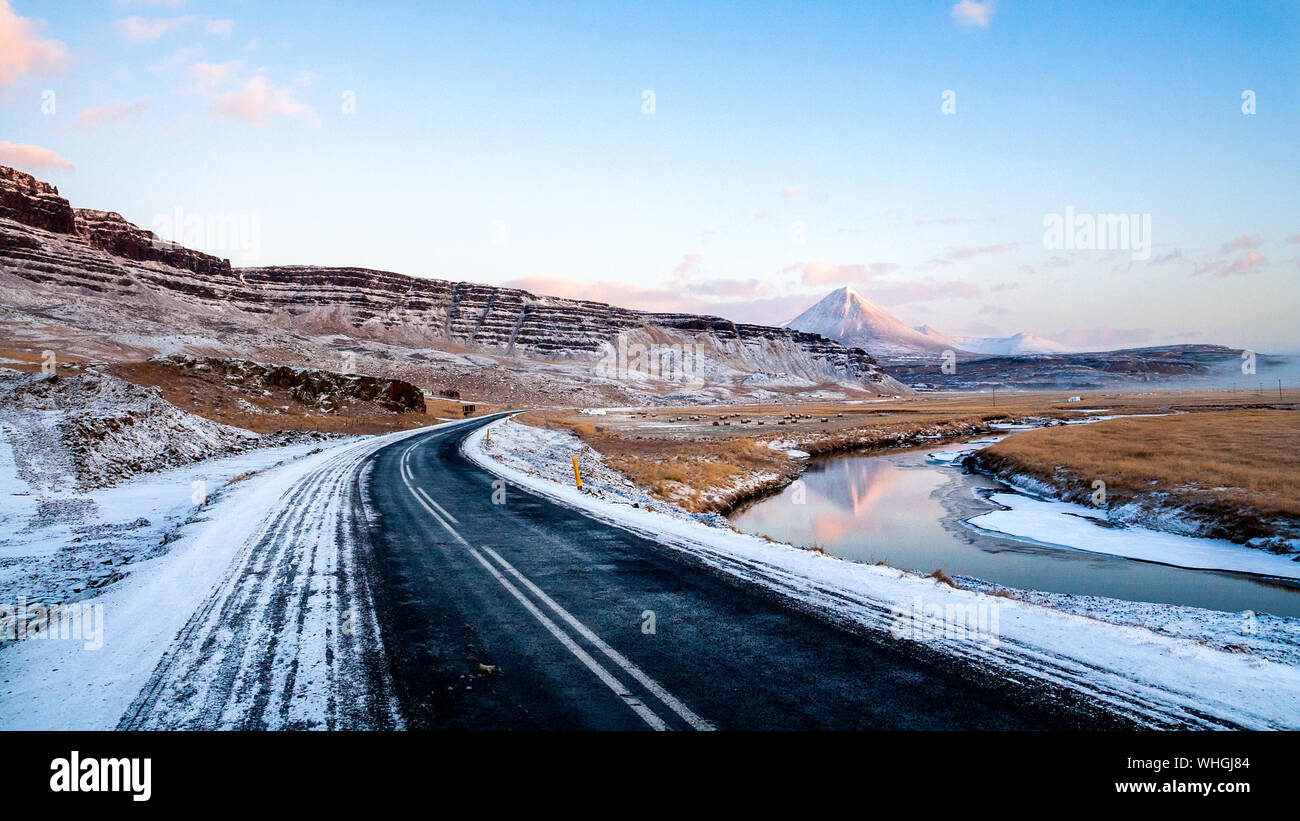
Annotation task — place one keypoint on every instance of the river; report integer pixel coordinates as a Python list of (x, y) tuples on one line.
[(905, 510)]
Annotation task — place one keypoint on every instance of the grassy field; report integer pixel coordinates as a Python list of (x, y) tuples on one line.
[(711, 459), (1237, 471)]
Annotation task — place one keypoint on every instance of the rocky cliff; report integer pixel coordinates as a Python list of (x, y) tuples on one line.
[(109, 231), (61, 251), (310, 386), (25, 199)]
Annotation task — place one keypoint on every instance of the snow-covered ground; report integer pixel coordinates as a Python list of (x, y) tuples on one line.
[(204, 599), (1170, 676), (58, 684), (61, 548), (1086, 528), (95, 472)]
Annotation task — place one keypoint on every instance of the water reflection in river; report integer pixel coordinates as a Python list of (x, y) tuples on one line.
[(907, 512)]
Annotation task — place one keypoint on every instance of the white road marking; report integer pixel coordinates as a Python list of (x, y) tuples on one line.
[(604, 675), (618, 658), (573, 647), (440, 508)]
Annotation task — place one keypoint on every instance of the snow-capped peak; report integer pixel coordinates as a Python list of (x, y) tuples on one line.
[(847, 316)]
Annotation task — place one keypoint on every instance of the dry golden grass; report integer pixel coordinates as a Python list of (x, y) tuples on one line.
[(1240, 465), (31, 361), (704, 467), (208, 396), (940, 575), (688, 474), (707, 459)]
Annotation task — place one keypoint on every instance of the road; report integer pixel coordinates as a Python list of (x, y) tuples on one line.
[(530, 615)]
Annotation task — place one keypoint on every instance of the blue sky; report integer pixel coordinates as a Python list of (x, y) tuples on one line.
[(792, 148)]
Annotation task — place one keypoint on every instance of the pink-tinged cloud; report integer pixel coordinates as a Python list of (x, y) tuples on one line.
[(690, 264), (1241, 243), (967, 253), (970, 13), (825, 272), (205, 78), (136, 29), (732, 288), (1163, 258), (22, 49), (1293, 240), (792, 193), (613, 293), (258, 101), (890, 294), (179, 57), (689, 299), (1246, 263), (31, 157), (112, 113), (760, 309)]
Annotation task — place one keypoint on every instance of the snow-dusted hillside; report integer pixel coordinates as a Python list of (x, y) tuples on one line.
[(90, 429), (92, 285)]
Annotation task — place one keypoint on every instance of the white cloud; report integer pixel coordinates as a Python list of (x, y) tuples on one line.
[(971, 13)]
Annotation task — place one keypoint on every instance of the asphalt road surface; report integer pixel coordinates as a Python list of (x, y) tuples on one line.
[(531, 615)]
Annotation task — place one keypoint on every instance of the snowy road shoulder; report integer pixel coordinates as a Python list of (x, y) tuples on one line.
[(49, 684), (60, 684), (1158, 679)]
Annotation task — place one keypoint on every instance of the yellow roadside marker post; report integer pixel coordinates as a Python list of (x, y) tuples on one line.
[(577, 475)]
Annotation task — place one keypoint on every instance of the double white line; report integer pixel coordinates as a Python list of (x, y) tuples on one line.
[(444, 518)]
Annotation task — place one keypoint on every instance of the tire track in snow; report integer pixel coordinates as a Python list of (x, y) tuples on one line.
[(288, 638)]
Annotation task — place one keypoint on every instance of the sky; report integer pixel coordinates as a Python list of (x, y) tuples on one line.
[(738, 159)]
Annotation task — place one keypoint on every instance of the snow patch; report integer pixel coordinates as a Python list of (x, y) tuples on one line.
[(1077, 526)]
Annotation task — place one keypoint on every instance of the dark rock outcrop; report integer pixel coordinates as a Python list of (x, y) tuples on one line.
[(25, 199), (308, 385), (109, 231)]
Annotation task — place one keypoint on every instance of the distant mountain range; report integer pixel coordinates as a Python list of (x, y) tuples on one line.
[(914, 355), (847, 316)]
